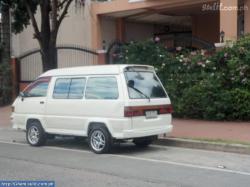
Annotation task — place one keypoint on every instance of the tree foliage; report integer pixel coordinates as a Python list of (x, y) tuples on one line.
[(19, 13)]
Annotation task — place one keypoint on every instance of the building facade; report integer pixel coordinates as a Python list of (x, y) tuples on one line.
[(139, 19), (97, 25)]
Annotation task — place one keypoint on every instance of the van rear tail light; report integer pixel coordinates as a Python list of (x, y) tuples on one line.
[(132, 111), (12, 109), (167, 109), (140, 110)]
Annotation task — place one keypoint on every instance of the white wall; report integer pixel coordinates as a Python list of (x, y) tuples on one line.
[(76, 28)]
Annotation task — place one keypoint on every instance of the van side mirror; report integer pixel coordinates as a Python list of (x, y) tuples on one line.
[(22, 95)]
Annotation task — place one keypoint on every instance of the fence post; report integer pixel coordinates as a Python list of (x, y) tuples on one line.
[(101, 57), (14, 77)]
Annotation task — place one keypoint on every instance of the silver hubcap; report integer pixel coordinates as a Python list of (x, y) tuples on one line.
[(97, 140), (33, 135)]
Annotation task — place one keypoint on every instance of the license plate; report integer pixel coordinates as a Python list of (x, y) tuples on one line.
[(151, 114)]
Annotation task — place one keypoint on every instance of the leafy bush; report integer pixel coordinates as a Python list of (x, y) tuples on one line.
[(5, 84), (240, 99), (201, 85)]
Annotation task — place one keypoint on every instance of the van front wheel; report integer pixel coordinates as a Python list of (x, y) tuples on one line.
[(100, 140), (35, 134)]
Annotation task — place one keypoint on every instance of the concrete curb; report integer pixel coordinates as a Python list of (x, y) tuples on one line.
[(195, 144)]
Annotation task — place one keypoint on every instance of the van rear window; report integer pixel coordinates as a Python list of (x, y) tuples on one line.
[(144, 84)]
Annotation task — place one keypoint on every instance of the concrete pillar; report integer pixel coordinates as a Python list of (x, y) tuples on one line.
[(23, 85), (247, 16), (101, 57), (229, 18), (96, 32), (120, 29)]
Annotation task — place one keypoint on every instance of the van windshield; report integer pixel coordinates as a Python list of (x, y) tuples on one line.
[(144, 84)]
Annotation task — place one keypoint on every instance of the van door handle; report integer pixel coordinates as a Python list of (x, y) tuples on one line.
[(42, 102)]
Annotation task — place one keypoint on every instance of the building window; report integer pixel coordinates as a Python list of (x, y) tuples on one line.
[(241, 19)]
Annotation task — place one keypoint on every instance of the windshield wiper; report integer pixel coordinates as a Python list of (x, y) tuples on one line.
[(140, 92)]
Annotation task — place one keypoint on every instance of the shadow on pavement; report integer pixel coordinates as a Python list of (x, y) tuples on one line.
[(81, 144)]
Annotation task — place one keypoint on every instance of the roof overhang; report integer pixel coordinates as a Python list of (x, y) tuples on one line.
[(131, 7), (152, 11)]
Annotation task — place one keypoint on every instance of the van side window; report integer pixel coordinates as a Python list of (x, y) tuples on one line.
[(38, 89), (102, 88), (61, 89), (76, 89), (66, 88)]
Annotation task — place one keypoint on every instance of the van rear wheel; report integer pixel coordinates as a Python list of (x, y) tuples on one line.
[(100, 141), (35, 134)]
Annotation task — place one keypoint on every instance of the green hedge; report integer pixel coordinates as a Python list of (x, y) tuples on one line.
[(201, 85), (5, 84)]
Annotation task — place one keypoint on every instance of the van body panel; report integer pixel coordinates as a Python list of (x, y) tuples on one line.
[(28, 108), (128, 134)]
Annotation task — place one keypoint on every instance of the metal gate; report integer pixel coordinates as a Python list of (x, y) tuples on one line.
[(114, 53), (30, 63)]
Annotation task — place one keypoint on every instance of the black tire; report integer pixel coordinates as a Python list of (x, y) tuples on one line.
[(107, 144), (40, 137), (144, 142)]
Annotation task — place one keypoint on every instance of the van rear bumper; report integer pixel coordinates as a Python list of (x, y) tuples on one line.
[(137, 133)]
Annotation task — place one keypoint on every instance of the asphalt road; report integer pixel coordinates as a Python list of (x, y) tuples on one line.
[(70, 163)]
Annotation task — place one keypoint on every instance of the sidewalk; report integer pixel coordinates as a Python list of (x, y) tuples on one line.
[(198, 129), (5, 113), (193, 129)]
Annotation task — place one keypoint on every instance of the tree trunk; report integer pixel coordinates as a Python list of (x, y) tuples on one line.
[(47, 38), (5, 57), (51, 19), (49, 57)]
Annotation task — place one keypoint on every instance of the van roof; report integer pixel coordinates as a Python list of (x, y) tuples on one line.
[(92, 70)]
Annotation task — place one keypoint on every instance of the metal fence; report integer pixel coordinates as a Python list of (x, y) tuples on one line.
[(192, 41)]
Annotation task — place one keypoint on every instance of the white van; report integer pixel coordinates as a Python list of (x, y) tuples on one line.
[(104, 103)]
